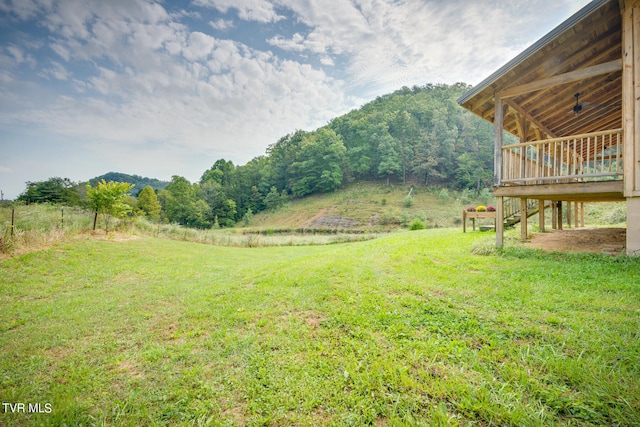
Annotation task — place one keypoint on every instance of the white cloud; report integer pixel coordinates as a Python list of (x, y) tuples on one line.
[(199, 46), (60, 50), (389, 44), (57, 71), (23, 9), (221, 24), (248, 10)]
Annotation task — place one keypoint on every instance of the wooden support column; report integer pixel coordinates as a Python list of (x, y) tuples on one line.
[(497, 167), (582, 214), (554, 215), (523, 219), (541, 215), (576, 212), (499, 222), (559, 211), (497, 147), (631, 119), (631, 96), (568, 214)]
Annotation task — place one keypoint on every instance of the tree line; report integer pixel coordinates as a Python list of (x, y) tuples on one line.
[(417, 135)]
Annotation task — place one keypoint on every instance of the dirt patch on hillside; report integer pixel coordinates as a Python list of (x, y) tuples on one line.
[(333, 221), (311, 221), (599, 240), (325, 219)]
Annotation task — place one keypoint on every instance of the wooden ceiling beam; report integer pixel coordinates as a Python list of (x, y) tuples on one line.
[(529, 117), (570, 77), (602, 52)]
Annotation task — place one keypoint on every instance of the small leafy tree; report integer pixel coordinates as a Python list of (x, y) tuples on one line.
[(148, 202), (273, 200), (107, 198), (246, 219)]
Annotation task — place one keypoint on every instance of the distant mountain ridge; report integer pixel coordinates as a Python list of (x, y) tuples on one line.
[(139, 181)]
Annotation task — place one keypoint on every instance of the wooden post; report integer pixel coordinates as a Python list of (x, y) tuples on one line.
[(541, 215), (569, 214), (554, 215), (523, 219), (497, 148), (631, 120), (559, 220), (499, 222), (630, 94), (498, 120), (576, 211), (464, 221), (13, 217), (582, 213)]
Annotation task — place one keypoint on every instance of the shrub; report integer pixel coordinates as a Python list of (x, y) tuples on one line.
[(616, 216), (390, 216), (471, 209), (405, 217), (481, 208), (417, 224), (491, 208), (407, 201)]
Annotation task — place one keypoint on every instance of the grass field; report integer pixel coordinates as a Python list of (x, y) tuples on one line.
[(407, 329)]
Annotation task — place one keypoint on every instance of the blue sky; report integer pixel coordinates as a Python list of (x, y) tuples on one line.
[(162, 88)]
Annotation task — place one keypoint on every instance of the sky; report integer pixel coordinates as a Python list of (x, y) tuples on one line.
[(163, 88)]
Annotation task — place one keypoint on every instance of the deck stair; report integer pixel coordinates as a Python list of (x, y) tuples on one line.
[(512, 211)]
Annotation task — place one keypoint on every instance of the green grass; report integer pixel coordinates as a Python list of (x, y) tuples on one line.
[(408, 329)]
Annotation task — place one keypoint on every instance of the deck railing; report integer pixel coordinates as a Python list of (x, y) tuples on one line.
[(589, 157)]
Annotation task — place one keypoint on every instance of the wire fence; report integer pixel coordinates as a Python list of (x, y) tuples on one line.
[(32, 225)]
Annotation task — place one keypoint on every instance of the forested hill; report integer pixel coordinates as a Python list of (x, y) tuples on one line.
[(421, 135), (139, 181), (418, 135)]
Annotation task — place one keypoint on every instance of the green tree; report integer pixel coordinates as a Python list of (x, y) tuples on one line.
[(221, 207), (390, 161), (273, 200), (200, 215), (107, 198), (148, 203), (53, 190), (319, 163), (178, 200)]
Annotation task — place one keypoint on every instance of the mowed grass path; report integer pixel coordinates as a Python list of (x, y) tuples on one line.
[(409, 329)]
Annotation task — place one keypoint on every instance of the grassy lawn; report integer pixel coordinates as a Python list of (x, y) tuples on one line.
[(408, 329)]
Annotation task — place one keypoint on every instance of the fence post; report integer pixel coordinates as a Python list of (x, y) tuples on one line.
[(13, 216), (62, 220)]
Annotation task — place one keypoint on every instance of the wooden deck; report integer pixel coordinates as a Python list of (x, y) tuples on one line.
[(605, 191)]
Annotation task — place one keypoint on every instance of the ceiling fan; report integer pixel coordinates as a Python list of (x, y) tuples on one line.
[(577, 109)]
